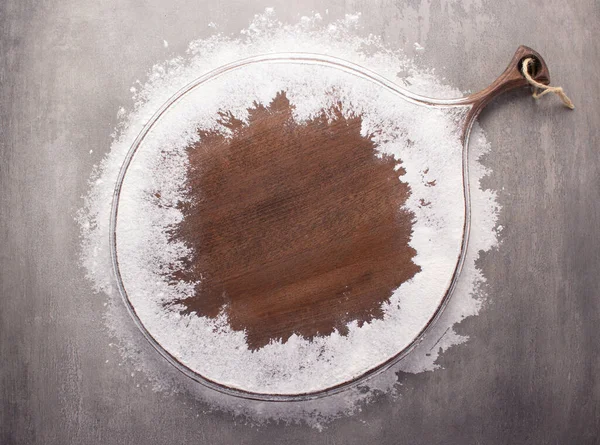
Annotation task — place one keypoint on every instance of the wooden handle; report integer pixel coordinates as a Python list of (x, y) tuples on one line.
[(511, 78)]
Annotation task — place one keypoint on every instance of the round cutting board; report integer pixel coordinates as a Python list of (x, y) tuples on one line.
[(291, 223)]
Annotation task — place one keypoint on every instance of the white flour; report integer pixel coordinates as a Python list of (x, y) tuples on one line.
[(427, 142)]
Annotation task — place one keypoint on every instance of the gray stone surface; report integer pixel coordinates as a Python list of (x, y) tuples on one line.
[(530, 372)]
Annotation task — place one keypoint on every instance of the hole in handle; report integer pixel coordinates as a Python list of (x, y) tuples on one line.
[(537, 65)]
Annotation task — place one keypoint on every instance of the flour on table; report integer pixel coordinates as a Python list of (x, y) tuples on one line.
[(209, 346)]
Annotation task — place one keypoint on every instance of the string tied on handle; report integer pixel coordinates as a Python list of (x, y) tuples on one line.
[(545, 89)]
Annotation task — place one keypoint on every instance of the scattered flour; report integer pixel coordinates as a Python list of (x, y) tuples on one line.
[(425, 139)]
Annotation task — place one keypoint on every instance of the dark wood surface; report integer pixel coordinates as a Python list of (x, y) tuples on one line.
[(529, 372), (296, 228)]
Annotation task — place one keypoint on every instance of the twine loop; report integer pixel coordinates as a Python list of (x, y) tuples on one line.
[(545, 89)]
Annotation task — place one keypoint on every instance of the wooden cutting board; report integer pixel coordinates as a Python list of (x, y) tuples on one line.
[(299, 228)]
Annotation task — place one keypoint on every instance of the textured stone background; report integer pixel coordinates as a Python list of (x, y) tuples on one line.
[(530, 372)]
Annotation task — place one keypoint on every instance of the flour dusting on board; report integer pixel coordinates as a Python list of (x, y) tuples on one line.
[(425, 141)]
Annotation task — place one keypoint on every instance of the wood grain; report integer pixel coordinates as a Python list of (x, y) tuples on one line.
[(296, 228)]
